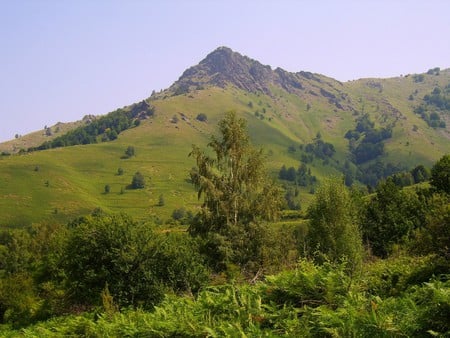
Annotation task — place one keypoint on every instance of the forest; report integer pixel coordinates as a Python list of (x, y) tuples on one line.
[(353, 264)]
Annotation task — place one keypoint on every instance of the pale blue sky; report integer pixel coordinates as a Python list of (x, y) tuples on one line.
[(61, 60)]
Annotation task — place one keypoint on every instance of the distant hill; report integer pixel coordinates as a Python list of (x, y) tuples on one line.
[(364, 130)]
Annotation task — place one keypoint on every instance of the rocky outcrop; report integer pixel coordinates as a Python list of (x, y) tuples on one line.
[(223, 67)]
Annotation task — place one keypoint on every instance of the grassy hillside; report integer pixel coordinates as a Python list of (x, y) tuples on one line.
[(23, 142), (59, 184)]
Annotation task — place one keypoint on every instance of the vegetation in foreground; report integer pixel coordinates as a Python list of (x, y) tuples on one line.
[(375, 266)]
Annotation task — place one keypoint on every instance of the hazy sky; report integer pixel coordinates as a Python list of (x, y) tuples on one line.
[(61, 60)]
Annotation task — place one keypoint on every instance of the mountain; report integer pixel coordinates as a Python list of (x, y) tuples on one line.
[(224, 67), (364, 129)]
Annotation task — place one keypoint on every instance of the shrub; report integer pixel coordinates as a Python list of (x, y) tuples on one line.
[(179, 214), (202, 117), (138, 181), (129, 152)]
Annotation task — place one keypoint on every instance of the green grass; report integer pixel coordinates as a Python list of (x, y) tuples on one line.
[(77, 175)]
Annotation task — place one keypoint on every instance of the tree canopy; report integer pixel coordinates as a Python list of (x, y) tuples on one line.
[(334, 229), (440, 174), (236, 190)]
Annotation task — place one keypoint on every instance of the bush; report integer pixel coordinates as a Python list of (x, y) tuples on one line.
[(202, 117), (129, 152), (134, 263), (111, 250), (138, 181), (161, 201), (179, 214)]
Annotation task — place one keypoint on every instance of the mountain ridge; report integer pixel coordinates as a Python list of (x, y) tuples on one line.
[(223, 67), (363, 130)]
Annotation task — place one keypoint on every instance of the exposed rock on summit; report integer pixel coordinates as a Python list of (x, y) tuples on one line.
[(223, 67)]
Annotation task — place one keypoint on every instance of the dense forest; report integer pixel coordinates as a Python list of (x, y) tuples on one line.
[(354, 264)]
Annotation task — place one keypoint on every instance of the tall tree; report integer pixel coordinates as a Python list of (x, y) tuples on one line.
[(440, 174), (334, 229), (390, 217), (237, 194)]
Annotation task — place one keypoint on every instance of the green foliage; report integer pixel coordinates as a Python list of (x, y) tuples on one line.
[(136, 264), (310, 301), (371, 174), (115, 250), (434, 105), (390, 217), (308, 285), (302, 176), (320, 149), (366, 142), (138, 181), (402, 179), (15, 252), (108, 127), (237, 195), (178, 263), (291, 197), (393, 276), (129, 152), (161, 201), (440, 175), (179, 214), (29, 275), (334, 230), (420, 174), (434, 236), (418, 78)]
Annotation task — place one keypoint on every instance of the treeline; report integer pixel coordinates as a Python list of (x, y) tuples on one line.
[(301, 176), (105, 128)]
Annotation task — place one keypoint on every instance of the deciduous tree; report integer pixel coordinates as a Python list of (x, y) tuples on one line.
[(440, 174), (334, 229), (237, 194)]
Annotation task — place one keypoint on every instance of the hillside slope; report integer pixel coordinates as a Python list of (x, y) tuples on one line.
[(291, 115)]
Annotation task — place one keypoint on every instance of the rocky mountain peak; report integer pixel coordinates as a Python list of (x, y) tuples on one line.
[(222, 67)]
